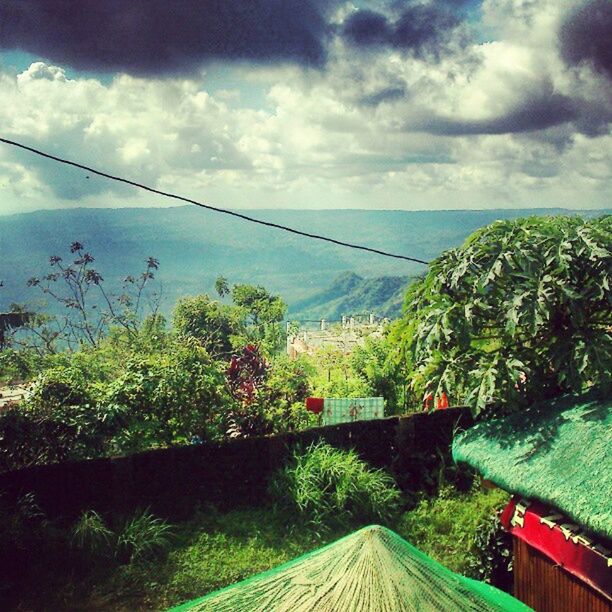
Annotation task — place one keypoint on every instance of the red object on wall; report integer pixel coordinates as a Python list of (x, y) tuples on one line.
[(561, 540), (442, 401), (315, 404)]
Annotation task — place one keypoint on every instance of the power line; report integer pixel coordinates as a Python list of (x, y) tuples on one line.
[(208, 206)]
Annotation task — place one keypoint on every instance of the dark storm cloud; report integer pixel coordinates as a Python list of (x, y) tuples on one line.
[(533, 114), (151, 37), (388, 94), (586, 36), (424, 30)]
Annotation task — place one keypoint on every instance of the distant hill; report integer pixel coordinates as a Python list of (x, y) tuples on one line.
[(349, 293), (195, 246)]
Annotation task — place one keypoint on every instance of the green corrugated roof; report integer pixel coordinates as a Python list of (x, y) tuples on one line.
[(559, 452)]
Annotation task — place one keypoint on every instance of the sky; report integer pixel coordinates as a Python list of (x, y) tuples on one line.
[(309, 104)]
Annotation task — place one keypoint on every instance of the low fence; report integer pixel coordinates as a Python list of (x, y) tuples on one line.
[(173, 481)]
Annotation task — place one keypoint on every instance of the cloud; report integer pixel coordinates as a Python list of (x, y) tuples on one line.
[(585, 36), (162, 37), (504, 122), (424, 30), (537, 113)]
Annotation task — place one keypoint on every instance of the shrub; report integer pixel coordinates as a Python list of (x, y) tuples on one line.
[(90, 533), (492, 558), (326, 485), (445, 526), (143, 536)]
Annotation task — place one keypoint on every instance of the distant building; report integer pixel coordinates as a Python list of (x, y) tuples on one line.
[(12, 395), (344, 335)]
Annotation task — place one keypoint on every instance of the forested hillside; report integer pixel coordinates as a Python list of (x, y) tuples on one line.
[(194, 247), (349, 293)]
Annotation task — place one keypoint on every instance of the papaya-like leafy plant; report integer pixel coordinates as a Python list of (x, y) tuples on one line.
[(520, 312)]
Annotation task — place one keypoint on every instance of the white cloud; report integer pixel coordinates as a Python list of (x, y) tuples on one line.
[(360, 133)]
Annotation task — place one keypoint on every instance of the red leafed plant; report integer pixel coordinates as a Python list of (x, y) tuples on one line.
[(246, 376), (246, 373)]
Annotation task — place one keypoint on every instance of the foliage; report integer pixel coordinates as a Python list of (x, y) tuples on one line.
[(140, 537), (20, 523), (325, 485), (110, 399), (212, 323), (222, 286), (246, 375), (253, 318), (59, 420), (445, 527), (17, 365), (385, 377), (264, 313), (491, 561), (286, 390), (335, 375), (269, 395), (143, 536), (168, 398), (91, 533), (79, 287), (519, 312), (26, 441)]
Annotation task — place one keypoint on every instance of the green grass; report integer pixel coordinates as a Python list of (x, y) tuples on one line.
[(444, 527), (210, 552), (214, 550)]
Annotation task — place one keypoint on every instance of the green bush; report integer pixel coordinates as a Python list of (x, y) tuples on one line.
[(492, 558), (139, 537), (143, 536), (90, 533), (325, 486), (445, 527), (169, 398)]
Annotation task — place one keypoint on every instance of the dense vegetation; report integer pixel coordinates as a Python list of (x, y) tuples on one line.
[(141, 562), (519, 312)]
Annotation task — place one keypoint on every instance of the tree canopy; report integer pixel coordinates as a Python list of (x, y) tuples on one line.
[(520, 312)]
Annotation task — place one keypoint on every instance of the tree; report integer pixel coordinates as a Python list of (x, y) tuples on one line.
[(211, 323), (520, 312), (222, 286), (253, 318), (264, 313), (79, 287)]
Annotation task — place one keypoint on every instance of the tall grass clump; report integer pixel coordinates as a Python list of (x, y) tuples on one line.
[(90, 533), (140, 536), (143, 536), (326, 486)]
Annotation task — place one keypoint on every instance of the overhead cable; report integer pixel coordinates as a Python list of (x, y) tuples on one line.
[(209, 206)]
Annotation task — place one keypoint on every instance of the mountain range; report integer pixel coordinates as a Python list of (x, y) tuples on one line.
[(194, 247)]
